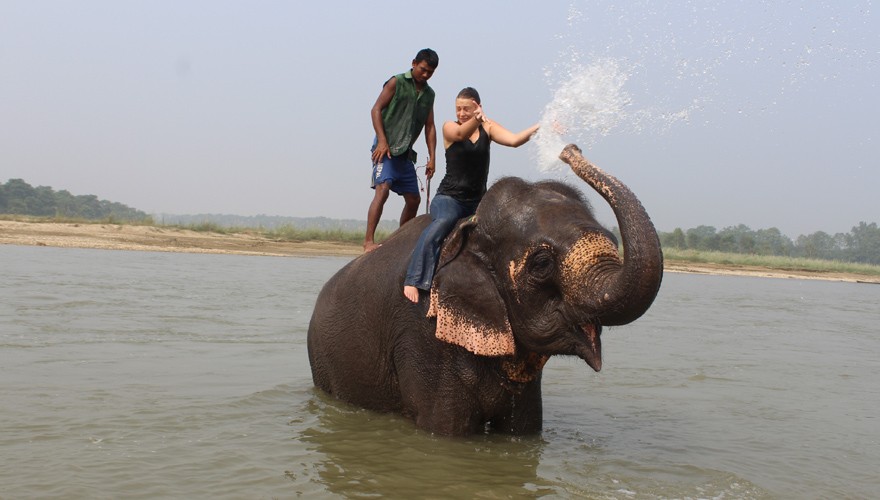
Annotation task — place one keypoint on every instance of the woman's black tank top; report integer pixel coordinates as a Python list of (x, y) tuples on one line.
[(467, 169)]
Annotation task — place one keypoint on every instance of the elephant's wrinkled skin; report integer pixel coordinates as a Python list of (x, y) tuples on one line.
[(532, 276)]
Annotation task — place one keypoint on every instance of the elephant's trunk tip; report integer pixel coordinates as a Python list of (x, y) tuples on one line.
[(569, 152)]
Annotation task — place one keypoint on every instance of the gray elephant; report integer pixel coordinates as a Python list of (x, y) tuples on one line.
[(530, 276)]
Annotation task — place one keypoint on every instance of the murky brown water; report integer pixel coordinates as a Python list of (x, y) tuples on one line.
[(144, 375)]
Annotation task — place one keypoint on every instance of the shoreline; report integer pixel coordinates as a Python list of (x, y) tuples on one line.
[(160, 239), (168, 239)]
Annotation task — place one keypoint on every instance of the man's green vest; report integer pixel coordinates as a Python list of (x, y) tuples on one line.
[(405, 115)]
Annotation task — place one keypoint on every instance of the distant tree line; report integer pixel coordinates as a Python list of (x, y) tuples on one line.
[(17, 197), (861, 245)]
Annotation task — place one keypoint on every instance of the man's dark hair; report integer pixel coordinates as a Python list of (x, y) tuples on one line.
[(429, 56), (469, 93)]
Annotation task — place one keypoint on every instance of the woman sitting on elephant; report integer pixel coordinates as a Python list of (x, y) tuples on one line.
[(466, 142)]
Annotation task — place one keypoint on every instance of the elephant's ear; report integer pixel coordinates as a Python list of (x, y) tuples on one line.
[(454, 243), (469, 310)]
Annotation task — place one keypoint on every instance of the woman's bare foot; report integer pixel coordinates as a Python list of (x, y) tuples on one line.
[(369, 247), (412, 293)]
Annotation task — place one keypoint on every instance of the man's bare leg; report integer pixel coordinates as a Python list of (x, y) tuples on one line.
[(410, 207), (374, 214)]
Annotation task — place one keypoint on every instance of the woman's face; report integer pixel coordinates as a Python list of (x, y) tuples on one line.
[(464, 109)]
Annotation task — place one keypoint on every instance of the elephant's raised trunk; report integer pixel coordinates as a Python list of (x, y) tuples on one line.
[(620, 292)]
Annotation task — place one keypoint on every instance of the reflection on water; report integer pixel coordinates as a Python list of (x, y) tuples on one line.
[(144, 375), (367, 454)]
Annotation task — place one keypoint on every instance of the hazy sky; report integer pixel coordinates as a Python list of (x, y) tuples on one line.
[(715, 113)]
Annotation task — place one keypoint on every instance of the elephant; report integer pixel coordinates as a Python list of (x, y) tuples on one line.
[(531, 275)]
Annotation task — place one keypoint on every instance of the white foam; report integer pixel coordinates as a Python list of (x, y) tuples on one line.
[(646, 69), (589, 104)]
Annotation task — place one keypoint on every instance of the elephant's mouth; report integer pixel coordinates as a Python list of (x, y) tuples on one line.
[(591, 349)]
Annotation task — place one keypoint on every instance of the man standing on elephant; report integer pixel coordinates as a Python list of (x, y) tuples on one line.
[(403, 108)]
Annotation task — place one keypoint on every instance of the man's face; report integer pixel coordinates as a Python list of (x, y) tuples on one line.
[(421, 71)]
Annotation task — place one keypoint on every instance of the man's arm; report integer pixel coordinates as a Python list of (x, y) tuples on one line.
[(382, 102), (431, 140)]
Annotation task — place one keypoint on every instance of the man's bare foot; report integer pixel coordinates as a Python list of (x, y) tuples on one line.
[(369, 247), (412, 293)]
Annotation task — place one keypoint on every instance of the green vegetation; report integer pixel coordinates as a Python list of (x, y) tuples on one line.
[(856, 252), (271, 222), (17, 197), (209, 227), (287, 232), (861, 245), (769, 262), (77, 220), (355, 237), (291, 233)]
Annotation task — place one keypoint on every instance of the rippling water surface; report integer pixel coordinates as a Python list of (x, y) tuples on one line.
[(144, 375)]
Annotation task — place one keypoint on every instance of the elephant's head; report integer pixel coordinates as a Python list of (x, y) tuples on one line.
[(533, 274)]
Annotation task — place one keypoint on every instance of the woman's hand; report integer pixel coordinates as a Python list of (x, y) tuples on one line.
[(478, 113)]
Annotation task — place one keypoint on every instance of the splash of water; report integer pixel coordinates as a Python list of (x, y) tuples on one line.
[(590, 103), (652, 65), (593, 102)]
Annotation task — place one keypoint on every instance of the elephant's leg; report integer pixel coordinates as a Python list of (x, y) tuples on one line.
[(436, 394), (441, 406), (525, 415), (451, 422)]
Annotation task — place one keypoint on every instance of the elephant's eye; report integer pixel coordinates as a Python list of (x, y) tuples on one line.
[(542, 265)]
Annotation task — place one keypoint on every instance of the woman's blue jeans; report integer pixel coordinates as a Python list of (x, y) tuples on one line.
[(446, 211)]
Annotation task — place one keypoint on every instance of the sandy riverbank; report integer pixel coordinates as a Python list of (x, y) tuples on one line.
[(166, 239), (159, 239)]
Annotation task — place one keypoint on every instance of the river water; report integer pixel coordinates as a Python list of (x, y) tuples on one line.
[(144, 375)]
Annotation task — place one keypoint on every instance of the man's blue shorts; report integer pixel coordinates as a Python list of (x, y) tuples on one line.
[(399, 171)]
